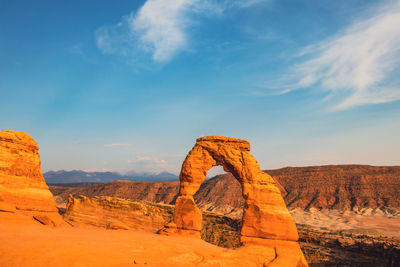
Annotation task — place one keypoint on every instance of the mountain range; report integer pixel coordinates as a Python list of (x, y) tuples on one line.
[(78, 176)]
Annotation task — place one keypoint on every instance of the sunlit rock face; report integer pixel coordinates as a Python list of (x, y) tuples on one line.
[(266, 220), (22, 186), (116, 213)]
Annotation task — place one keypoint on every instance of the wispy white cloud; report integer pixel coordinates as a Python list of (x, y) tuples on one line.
[(99, 170), (360, 64), (159, 27), (148, 160), (249, 3), (117, 145)]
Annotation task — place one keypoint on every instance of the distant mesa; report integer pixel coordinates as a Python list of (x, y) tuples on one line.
[(266, 220), (341, 187), (23, 189)]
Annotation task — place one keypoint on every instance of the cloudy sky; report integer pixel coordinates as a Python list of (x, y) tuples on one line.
[(130, 85)]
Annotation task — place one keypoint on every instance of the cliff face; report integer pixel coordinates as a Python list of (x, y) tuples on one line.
[(343, 187), (22, 186)]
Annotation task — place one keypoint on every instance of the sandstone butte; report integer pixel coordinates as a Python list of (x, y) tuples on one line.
[(23, 189), (266, 220)]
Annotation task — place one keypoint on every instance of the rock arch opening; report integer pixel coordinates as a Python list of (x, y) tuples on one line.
[(221, 202), (221, 194)]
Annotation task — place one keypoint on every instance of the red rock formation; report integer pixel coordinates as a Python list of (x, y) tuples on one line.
[(343, 187), (266, 220), (116, 213), (22, 186)]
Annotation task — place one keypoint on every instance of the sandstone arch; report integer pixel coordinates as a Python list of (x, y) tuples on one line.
[(266, 220)]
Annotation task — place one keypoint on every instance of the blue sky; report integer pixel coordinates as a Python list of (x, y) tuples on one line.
[(130, 85)]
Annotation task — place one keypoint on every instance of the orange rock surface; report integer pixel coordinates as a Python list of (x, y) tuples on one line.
[(23, 189), (116, 213), (30, 244), (266, 220)]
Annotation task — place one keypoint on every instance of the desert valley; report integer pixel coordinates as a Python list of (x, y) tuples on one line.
[(346, 215)]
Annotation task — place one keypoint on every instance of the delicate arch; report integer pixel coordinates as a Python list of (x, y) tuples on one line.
[(265, 214), (266, 220)]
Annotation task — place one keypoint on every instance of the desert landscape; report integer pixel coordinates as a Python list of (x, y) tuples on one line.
[(231, 133), (125, 223), (365, 234)]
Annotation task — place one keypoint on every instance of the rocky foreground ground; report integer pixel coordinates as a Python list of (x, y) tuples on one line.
[(24, 242), (321, 247)]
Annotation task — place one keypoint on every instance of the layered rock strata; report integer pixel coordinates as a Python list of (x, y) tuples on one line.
[(266, 220), (23, 189), (117, 213)]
